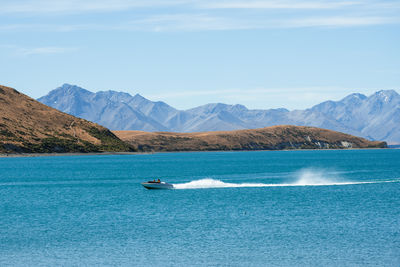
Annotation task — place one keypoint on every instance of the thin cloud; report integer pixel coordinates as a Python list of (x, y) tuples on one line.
[(45, 50), (157, 23), (188, 22), (51, 7), (277, 5), (204, 22), (43, 27), (60, 7), (336, 21), (206, 15)]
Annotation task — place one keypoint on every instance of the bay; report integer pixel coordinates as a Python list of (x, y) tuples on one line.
[(264, 208)]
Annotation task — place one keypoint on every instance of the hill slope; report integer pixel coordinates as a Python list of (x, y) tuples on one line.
[(376, 117), (271, 138), (29, 126)]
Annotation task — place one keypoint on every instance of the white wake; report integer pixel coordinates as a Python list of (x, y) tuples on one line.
[(304, 178)]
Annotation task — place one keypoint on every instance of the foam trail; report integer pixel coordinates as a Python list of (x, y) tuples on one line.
[(211, 183), (306, 177)]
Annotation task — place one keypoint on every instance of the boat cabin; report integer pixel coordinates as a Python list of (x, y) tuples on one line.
[(154, 181)]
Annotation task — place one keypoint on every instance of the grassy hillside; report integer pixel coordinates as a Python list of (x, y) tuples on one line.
[(270, 138), (31, 127)]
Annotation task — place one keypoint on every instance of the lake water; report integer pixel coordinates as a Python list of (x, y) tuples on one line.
[(279, 208)]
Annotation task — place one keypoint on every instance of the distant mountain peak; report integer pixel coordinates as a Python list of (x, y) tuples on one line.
[(353, 99), (389, 91), (356, 95), (386, 95), (240, 106), (70, 89), (139, 96), (117, 110), (67, 85)]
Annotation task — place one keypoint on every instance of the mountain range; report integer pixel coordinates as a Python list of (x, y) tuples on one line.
[(375, 117)]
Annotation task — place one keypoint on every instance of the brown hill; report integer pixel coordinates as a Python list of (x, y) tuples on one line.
[(270, 138), (29, 126)]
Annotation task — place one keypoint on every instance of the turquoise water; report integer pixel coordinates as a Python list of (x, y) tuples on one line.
[(279, 208)]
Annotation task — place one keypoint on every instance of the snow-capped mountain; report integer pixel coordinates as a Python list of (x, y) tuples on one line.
[(376, 117)]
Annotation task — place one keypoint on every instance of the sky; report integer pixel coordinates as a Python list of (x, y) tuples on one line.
[(262, 54)]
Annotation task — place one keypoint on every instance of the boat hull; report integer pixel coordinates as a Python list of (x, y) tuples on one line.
[(161, 185)]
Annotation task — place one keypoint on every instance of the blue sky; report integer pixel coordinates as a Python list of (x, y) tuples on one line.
[(263, 54)]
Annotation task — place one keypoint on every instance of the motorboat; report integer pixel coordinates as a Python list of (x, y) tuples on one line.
[(157, 185)]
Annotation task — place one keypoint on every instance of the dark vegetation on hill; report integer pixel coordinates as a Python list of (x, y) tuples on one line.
[(28, 126), (270, 138)]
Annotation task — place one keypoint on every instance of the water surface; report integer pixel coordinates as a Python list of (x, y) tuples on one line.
[(281, 208)]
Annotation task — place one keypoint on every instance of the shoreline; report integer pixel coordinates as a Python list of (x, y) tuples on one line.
[(33, 155)]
